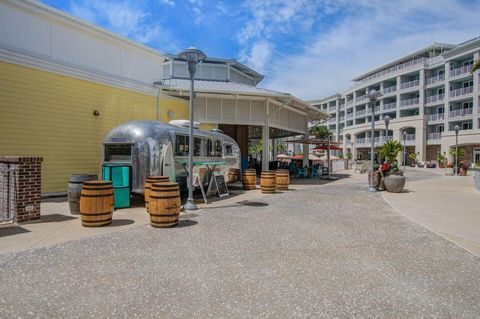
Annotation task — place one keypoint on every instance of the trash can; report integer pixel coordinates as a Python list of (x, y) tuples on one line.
[(120, 175)]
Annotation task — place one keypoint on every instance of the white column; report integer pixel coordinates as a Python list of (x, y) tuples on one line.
[(476, 106), (398, 96), (354, 147), (266, 139), (421, 93), (421, 142), (337, 120), (306, 151), (446, 112)]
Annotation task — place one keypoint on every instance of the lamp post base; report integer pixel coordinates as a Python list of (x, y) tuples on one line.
[(372, 189), (190, 205)]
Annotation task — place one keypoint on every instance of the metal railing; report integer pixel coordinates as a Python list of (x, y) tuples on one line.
[(408, 137), (460, 71), (360, 98), (349, 116), (435, 79), (461, 91), (341, 118), (349, 102), (409, 84), (435, 117), (332, 108), (9, 174), (395, 68), (461, 113), (377, 109), (409, 102), (360, 112), (389, 106), (434, 136), (434, 98), (390, 89)]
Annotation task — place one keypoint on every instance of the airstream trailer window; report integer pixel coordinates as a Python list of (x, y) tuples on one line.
[(181, 145), (118, 153), (197, 149), (228, 150), (210, 152), (218, 148)]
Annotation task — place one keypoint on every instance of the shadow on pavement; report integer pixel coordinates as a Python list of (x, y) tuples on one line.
[(186, 223), (12, 230), (121, 222), (55, 218)]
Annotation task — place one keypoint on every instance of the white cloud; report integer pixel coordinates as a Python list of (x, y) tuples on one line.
[(258, 56), (370, 34), (170, 3)]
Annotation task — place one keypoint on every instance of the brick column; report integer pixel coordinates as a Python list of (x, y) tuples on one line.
[(27, 199)]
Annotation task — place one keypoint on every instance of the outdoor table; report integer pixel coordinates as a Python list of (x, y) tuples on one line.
[(210, 169)]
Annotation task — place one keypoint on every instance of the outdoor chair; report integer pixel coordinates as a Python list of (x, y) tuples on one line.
[(315, 172), (302, 172)]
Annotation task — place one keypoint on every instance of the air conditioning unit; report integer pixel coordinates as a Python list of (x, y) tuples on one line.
[(183, 123)]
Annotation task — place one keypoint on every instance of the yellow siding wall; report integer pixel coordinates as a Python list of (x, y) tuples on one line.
[(51, 115)]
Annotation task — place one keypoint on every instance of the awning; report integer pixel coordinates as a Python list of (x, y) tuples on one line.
[(315, 141), (311, 157), (325, 147)]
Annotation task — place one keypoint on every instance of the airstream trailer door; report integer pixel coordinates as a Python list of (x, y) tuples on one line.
[(168, 162)]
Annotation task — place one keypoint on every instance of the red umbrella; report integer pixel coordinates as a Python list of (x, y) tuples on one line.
[(325, 147)]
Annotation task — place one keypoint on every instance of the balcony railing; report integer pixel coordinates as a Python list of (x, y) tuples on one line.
[(332, 108), (408, 137), (435, 79), (409, 102), (390, 106), (461, 113), (435, 117), (360, 98), (349, 116), (461, 91), (435, 98), (409, 84), (395, 68), (390, 89), (361, 141), (369, 110), (342, 106), (434, 136), (360, 112), (341, 118), (460, 71), (349, 102)]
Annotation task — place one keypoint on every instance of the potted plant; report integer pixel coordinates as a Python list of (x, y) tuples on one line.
[(449, 169), (390, 150), (441, 160), (463, 168), (393, 179)]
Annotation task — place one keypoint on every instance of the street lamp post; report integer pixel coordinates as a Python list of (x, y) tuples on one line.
[(372, 96), (386, 119), (457, 129), (193, 57), (404, 150)]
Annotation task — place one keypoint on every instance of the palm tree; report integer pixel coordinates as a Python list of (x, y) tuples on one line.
[(390, 150), (320, 131), (476, 66)]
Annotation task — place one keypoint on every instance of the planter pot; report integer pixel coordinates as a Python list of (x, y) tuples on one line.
[(463, 171), (394, 183), (449, 171)]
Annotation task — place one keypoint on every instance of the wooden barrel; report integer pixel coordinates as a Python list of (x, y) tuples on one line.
[(282, 179), (96, 203), (232, 176), (75, 188), (249, 179), (267, 182), (164, 204), (148, 184)]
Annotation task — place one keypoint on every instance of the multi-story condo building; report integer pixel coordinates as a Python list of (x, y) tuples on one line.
[(425, 94)]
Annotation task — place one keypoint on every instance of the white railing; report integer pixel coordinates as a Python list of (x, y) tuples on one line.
[(434, 136), (389, 106), (332, 108), (377, 109), (360, 98), (361, 141), (434, 98), (348, 143), (395, 68), (349, 116), (435, 117), (342, 106), (435, 79), (409, 102), (460, 71), (349, 102), (341, 118), (461, 113), (360, 112), (409, 84), (461, 91), (390, 89), (408, 137)]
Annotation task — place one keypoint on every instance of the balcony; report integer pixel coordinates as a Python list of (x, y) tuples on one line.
[(438, 117), (434, 136), (460, 71), (332, 108), (361, 141), (435, 79), (389, 90), (377, 109), (394, 68), (460, 113), (349, 102), (341, 118), (361, 98), (461, 91), (349, 116), (410, 84), (360, 112), (408, 139), (409, 102), (389, 106), (434, 98), (342, 106)]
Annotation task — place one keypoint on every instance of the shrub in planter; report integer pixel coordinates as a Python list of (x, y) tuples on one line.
[(441, 160), (393, 179), (449, 169)]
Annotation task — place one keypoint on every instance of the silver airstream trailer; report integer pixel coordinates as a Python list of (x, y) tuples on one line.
[(154, 148)]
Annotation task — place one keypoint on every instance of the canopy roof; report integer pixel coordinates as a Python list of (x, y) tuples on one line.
[(315, 141), (326, 147)]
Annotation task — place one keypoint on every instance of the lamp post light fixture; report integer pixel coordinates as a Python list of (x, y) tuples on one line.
[(404, 150), (373, 95), (457, 129), (193, 57)]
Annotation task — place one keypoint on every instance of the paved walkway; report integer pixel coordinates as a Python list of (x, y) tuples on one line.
[(447, 205), (331, 251)]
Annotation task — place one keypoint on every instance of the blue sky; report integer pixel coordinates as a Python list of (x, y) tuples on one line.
[(308, 48)]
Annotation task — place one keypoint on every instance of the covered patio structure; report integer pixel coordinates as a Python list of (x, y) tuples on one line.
[(246, 112)]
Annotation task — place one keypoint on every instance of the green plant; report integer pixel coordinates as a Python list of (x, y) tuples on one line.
[(281, 148), (477, 164), (450, 165), (349, 155), (320, 131), (390, 150), (441, 158), (453, 152), (340, 156), (476, 66), (413, 156)]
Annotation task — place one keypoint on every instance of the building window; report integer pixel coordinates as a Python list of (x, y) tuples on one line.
[(228, 150), (476, 156)]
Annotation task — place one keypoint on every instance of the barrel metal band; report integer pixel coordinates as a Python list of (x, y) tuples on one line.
[(96, 195), (96, 189), (165, 197), (95, 214)]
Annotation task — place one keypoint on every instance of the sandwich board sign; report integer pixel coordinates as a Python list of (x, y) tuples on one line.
[(218, 180)]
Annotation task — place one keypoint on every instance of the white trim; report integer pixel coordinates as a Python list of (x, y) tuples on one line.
[(37, 61)]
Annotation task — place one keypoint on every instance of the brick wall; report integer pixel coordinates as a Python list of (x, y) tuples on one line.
[(432, 152), (29, 173)]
